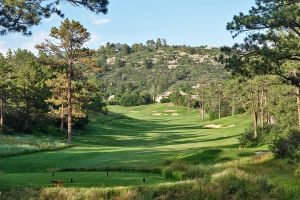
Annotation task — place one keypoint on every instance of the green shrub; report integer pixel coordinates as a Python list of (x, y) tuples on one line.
[(237, 184), (165, 100), (182, 171), (286, 144), (135, 99), (113, 102), (247, 138)]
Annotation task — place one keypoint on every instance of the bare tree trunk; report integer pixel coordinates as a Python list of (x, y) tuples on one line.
[(298, 98), (232, 106), (254, 115), (254, 111), (69, 102), (1, 115), (201, 103), (262, 108), (200, 110), (62, 116), (203, 112), (219, 106), (298, 105)]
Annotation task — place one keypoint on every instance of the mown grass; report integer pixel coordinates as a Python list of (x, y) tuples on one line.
[(138, 140), (134, 138), (83, 179), (228, 184)]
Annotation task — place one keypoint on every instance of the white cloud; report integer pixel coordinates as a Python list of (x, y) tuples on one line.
[(100, 22), (15, 41), (20, 42), (3, 47), (95, 40), (35, 39)]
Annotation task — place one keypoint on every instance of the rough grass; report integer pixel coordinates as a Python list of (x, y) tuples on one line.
[(228, 184), (22, 144)]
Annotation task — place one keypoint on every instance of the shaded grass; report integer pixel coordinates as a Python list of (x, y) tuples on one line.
[(126, 139)]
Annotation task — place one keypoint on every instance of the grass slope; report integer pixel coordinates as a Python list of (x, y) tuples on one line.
[(136, 139)]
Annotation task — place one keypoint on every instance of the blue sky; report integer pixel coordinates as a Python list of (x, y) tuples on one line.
[(191, 22)]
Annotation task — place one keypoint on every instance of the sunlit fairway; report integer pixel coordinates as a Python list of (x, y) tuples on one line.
[(131, 143)]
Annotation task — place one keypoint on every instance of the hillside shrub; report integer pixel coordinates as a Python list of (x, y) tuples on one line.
[(286, 144), (236, 184), (177, 98), (113, 102), (247, 138), (135, 99), (165, 100), (183, 171)]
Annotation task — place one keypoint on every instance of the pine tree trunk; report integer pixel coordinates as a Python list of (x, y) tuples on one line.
[(201, 105), (254, 115), (262, 108), (298, 97), (219, 107), (62, 118), (254, 111), (200, 110), (1, 115), (69, 102), (233, 107), (298, 105)]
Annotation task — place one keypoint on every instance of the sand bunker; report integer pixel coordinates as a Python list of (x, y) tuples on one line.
[(229, 126), (213, 126), (170, 111), (156, 114), (218, 126)]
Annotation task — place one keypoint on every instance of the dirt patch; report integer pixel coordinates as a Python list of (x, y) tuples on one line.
[(174, 114)]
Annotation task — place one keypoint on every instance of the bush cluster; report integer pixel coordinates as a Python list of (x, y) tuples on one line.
[(283, 142), (135, 99)]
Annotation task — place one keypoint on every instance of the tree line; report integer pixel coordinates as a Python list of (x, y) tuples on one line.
[(57, 86)]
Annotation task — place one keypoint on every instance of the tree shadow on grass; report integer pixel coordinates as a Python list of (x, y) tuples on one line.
[(122, 131)]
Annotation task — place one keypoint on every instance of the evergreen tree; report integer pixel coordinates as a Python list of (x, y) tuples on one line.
[(71, 35), (20, 16)]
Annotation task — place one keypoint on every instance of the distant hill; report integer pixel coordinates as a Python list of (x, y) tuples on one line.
[(156, 67)]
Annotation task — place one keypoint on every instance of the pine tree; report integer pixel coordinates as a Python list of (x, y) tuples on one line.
[(71, 36)]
